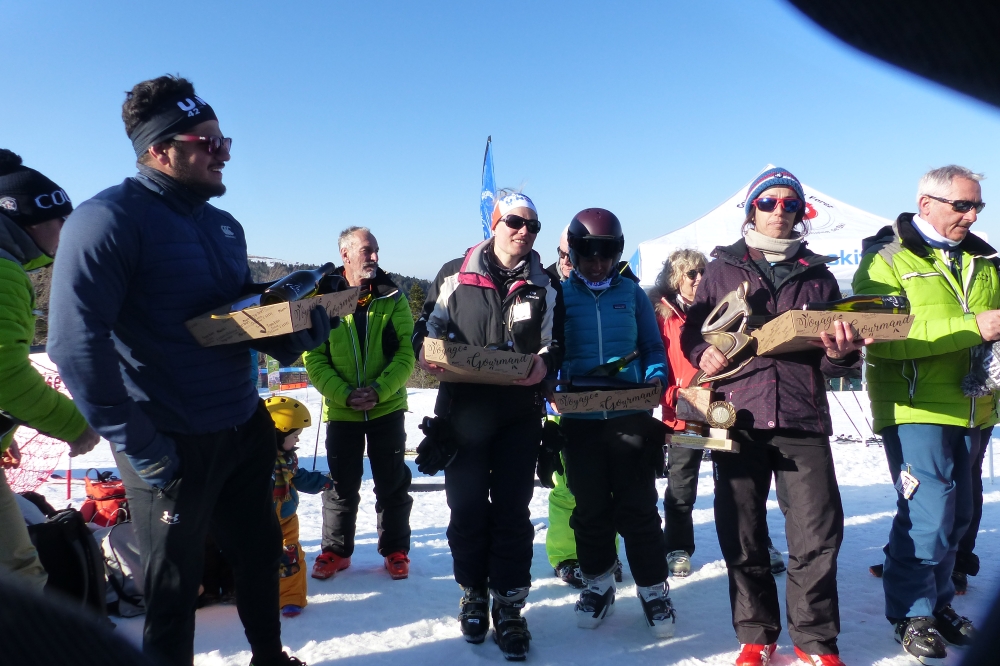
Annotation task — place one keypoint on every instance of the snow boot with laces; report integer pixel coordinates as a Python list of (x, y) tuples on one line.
[(510, 630), (597, 600), (658, 609), (474, 613)]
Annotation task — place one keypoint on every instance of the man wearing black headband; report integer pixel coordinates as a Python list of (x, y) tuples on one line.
[(192, 439)]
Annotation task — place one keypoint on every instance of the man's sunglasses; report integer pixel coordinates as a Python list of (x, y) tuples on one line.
[(962, 205), (213, 143), (693, 273), (562, 255), (605, 248), (516, 222), (768, 204)]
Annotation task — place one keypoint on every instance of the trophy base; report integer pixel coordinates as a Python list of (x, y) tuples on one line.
[(717, 440)]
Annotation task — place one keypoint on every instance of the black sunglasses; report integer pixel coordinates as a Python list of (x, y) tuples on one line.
[(693, 273), (516, 222), (605, 248), (213, 143), (962, 205), (562, 255)]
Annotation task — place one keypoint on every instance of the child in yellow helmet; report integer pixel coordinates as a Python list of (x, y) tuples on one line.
[(290, 417)]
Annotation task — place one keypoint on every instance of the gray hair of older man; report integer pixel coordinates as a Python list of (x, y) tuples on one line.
[(937, 182), (348, 237)]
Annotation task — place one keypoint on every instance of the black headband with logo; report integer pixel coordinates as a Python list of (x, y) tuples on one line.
[(174, 118)]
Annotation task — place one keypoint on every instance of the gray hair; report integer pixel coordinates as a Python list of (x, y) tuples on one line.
[(347, 236), (937, 182)]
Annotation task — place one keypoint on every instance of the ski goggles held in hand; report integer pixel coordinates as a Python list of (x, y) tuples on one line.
[(605, 248), (961, 205), (213, 143), (516, 222), (789, 204)]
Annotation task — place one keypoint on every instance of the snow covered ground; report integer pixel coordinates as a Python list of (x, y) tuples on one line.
[(363, 617)]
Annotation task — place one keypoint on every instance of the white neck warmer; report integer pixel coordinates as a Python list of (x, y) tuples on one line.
[(596, 286), (774, 249), (930, 234)]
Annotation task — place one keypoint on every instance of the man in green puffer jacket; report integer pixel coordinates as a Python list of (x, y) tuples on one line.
[(361, 372), (931, 431), (32, 211)]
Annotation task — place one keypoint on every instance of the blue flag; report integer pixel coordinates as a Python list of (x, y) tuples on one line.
[(487, 199)]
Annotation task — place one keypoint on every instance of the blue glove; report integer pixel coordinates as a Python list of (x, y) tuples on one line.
[(310, 338), (157, 463)]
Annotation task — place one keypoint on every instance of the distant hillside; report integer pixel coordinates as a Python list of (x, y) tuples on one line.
[(265, 271)]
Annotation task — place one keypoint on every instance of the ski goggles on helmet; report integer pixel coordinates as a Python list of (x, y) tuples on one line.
[(961, 205), (516, 222), (788, 204), (212, 143), (605, 248)]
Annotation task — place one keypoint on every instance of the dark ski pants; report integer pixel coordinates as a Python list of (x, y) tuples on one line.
[(683, 466), (224, 489), (489, 485), (615, 490), (808, 496), (966, 560), (920, 555), (345, 450)]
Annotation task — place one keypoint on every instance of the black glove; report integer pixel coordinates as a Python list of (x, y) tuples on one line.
[(438, 447), (549, 460), (310, 338), (656, 445)]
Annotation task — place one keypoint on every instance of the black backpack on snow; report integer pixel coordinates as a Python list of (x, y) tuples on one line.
[(71, 558)]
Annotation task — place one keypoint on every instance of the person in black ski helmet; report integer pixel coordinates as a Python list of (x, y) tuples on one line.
[(612, 457)]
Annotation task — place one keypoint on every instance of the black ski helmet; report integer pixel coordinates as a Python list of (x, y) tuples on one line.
[(596, 232)]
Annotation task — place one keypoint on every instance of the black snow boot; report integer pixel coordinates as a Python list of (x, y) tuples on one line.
[(921, 639), (956, 629), (473, 613), (510, 630), (568, 572), (618, 570)]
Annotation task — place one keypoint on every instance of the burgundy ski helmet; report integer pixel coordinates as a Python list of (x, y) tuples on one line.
[(596, 232)]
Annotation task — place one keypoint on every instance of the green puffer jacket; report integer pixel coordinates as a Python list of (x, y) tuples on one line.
[(338, 367), (23, 392), (917, 380)]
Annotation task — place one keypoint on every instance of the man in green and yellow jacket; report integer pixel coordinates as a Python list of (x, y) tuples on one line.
[(32, 212), (361, 372), (931, 430)]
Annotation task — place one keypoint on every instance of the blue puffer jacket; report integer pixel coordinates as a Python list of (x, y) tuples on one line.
[(602, 326), (135, 262)]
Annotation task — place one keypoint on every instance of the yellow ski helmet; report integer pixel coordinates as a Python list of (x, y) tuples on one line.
[(288, 414)]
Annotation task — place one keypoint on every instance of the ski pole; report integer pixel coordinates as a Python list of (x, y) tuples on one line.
[(318, 426), (834, 394), (863, 412)]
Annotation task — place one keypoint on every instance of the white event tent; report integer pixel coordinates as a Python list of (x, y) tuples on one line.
[(837, 229)]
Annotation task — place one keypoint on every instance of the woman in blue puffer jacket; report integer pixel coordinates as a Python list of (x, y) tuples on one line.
[(607, 461)]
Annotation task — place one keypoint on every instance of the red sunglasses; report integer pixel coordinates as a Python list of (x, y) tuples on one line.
[(213, 143), (788, 204)]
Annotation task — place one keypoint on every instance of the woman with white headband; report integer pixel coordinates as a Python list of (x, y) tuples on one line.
[(486, 437)]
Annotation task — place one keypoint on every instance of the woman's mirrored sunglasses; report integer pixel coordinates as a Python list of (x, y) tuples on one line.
[(213, 143), (788, 204), (516, 222)]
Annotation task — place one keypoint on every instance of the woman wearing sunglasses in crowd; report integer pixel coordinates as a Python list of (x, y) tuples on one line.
[(672, 296), (782, 428), (497, 294), (609, 454)]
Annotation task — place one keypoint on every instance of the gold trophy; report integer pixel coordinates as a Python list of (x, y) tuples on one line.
[(709, 419)]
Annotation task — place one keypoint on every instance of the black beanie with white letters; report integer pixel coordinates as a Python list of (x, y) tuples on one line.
[(26, 196)]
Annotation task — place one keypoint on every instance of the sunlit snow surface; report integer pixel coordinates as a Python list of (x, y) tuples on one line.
[(363, 617)]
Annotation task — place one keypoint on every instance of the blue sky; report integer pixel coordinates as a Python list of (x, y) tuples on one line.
[(377, 113)]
